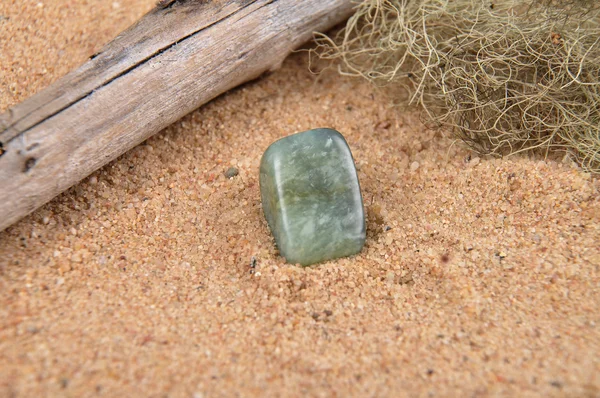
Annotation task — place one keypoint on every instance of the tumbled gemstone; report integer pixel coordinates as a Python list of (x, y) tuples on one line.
[(311, 197)]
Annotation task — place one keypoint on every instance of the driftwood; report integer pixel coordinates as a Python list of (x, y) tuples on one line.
[(176, 58)]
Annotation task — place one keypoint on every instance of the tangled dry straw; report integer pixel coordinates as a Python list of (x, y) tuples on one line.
[(507, 76)]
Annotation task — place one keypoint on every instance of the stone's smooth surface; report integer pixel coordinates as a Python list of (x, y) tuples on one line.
[(311, 197)]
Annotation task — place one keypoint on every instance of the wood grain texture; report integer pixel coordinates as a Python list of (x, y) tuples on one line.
[(176, 58)]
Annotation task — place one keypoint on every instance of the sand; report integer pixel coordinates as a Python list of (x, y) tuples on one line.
[(480, 277)]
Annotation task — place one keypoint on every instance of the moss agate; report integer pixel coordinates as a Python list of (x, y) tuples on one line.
[(311, 197)]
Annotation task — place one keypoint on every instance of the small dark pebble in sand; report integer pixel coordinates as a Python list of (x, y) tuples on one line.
[(556, 384), (231, 172)]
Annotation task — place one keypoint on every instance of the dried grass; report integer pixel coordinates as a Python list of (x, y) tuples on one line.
[(506, 76)]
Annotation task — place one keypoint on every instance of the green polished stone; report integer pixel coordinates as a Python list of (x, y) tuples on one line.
[(311, 197)]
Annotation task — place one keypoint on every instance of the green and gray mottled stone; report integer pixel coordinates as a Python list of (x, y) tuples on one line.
[(311, 197)]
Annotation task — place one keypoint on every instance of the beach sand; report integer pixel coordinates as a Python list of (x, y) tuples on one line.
[(480, 277)]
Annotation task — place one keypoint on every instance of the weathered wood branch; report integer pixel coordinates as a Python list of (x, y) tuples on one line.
[(176, 58)]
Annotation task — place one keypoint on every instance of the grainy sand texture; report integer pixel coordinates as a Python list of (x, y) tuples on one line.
[(480, 277)]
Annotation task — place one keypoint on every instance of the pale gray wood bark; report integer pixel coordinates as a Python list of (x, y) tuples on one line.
[(176, 58)]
